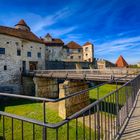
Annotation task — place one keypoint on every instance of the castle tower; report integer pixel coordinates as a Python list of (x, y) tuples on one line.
[(22, 25), (88, 52), (121, 62)]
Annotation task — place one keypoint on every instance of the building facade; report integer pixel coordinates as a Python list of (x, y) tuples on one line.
[(102, 64), (88, 52), (55, 50), (20, 51), (74, 52)]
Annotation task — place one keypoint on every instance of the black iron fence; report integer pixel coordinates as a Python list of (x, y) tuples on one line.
[(102, 119)]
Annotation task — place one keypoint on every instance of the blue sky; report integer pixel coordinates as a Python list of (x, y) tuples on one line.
[(113, 26)]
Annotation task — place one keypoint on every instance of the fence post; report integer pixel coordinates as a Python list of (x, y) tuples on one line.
[(98, 121), (126, 93), (44, 119), (117, 110)]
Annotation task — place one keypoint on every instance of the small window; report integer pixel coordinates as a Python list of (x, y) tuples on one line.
[(31, 46), (17, 44), (18, 52), (39, 55), (68, 50), (71, 57), (2, 50), (5, 67), (79, 50), (86, 49), (79, 57), (7, 42), (29, 54), (86, 54)]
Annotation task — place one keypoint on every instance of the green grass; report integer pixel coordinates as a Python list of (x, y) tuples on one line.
[(34, 111), (103, 90)]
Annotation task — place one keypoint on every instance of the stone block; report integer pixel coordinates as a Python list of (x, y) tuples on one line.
[(72, 105)]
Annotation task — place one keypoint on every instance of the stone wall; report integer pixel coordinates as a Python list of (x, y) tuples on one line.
[(45, 87), (72, 105), (55, 53), (28, 86), (11, 63), (51, 65)]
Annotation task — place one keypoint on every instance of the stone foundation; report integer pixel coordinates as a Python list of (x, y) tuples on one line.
[(45, 87), (72, 105), (28, 86)]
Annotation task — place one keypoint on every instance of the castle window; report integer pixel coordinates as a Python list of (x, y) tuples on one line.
[(79, 50), (86, 49), (5, 67), (71, 57), (18, 52), (39, 55), (17, 44), (29, 54), (2, 50)]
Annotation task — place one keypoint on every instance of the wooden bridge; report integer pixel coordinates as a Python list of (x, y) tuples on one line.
[(89, 74), (131, 129)]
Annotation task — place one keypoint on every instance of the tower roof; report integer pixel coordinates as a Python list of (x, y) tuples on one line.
[(48, 35), (73, 45), (87, 43), (121, 62), (23, 23)]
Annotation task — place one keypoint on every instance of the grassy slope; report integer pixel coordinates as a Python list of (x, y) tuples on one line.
[(34, 111), (103, 90)]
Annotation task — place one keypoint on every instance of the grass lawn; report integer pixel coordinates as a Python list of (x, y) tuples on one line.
[(34, 111), (103, 90)]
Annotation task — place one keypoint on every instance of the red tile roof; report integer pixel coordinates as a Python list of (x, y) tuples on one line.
[(54, 42), (73, 45), (121, 62), (87, 43), (22, 22), (27, 35)]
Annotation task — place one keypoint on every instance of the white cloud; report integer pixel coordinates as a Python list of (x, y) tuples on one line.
[(111, 49)]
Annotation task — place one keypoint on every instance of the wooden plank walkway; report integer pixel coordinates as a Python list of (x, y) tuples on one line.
[(132, 130)]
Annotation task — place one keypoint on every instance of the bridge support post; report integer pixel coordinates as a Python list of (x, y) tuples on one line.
[(45, 87), (73, 104)]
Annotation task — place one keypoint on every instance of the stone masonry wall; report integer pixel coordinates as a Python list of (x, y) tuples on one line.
[(45, 87), (72, 105)]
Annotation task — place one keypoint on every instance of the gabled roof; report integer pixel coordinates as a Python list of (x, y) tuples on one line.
[(48, 35), (54, 42), (87, 43), (73, 45), (121, 62), (27, 35)]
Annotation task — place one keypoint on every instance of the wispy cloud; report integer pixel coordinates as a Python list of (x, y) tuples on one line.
[(50, 19), (61, 31), (126, 46)]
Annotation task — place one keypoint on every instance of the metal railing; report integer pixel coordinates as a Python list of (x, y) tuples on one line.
[(101, 119)]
